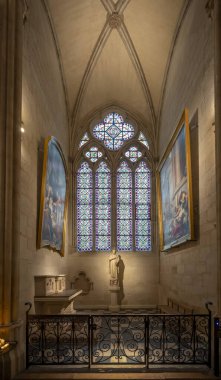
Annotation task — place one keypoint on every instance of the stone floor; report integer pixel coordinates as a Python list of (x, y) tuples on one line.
[(107, 375)]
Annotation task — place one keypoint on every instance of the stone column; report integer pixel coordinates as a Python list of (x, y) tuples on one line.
[(217, 67), (10, 151)]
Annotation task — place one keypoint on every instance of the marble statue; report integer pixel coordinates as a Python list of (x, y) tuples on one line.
[(114, 267)]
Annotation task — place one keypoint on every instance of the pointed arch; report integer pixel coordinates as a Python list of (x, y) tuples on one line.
[(118, 198), (103, 207), (124, 207), (142, 207), (84, 208)]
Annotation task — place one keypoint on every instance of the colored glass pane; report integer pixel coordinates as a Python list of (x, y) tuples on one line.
[(142, 208), (143, 140), (113, 131), (93, 154), (103, 208), (84, 140), (124, 208), (133, 154), (84, 208)]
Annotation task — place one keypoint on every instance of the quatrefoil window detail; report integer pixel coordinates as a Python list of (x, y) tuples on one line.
[(133, 154), (113, 131), (93, 154)]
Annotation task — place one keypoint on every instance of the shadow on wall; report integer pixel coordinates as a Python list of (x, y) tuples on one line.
[(121, 294)]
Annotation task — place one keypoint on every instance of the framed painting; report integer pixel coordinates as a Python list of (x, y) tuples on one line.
[(53, 204), (174, 183)]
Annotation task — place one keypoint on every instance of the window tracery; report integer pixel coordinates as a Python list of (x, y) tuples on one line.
[(113, 131), (84, 140), (143, 140), (84, 208), (109, 188), (93, 154), (124, 208), (103, 207), (133, 154)]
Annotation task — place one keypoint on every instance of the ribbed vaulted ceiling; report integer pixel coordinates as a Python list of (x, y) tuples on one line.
[(114, 52)]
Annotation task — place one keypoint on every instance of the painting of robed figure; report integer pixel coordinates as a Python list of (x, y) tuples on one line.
[(53, 205), (175, 189)]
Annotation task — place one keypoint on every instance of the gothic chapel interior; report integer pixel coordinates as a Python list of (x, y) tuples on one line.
[(112, 82)]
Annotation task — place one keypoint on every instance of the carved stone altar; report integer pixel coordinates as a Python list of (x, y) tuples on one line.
[(52, 297)]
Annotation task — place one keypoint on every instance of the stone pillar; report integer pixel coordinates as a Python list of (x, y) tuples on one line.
[(10, 151), (217, 67)]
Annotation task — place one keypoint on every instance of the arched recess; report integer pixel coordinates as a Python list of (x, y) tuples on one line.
[(94, 151)]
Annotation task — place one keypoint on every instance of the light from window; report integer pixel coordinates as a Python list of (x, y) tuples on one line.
[(84, 140), (142, 208), (93, 154), (124, 208), (103, 208), (113, 132), (133, 154), (84, 208), (143, 140)]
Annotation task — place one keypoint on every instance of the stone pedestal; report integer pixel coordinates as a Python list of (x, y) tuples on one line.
[(114, 292), (57, 303), (52, 297), (49, 284)]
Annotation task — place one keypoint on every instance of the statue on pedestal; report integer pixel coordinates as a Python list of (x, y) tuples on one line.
[(114, 268)]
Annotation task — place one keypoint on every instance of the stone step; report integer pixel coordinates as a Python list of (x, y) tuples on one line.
[(28, 375)]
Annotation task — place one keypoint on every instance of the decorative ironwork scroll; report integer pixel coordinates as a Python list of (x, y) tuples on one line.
[(118, 340), (58, 340), (178, 339), (145, 340)]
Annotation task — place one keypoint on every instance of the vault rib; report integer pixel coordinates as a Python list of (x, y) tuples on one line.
[(128, 43), (108, 5), (111, 7), (125, 36), (89, 69), (166, 73), (58, 53), (120, 6)]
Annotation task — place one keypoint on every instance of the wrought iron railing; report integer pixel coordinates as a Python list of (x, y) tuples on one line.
[(144, 340)]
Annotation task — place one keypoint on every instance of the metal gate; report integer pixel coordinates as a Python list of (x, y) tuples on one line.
[(119, 340), (140, 340)]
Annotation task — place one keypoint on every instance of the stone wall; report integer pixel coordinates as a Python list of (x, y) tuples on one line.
[(188, 273), (139, 273), (43, 114)]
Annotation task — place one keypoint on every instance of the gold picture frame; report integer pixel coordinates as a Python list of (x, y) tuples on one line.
[(174, 189), (53, 202)]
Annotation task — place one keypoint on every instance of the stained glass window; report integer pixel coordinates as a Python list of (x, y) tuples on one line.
[(124, 208), (93, 154), (143, 140), (84, 140), (113, 131), (103, 208), (113, 199), (84, 208), (133, 154), (142, 208)]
